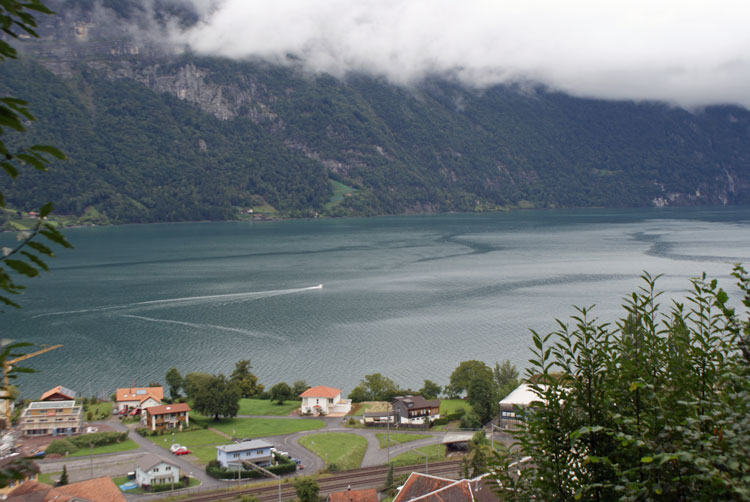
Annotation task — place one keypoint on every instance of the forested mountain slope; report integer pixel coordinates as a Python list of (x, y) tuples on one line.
[(154, 136)]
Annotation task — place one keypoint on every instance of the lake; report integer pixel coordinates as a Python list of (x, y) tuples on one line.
[(410, 297)]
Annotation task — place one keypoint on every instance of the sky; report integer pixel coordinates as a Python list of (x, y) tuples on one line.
[(688, 53)]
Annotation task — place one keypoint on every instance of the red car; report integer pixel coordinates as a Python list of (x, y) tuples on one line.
[(182, 451)]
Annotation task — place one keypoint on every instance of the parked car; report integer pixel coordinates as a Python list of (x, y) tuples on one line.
[(175, 447), (283, 453), (182, 451), (296, 461)]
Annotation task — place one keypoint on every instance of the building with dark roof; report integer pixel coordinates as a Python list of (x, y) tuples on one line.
[(415, 410)]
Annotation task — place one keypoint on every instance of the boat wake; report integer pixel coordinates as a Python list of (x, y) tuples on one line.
[(226, 299), (206, 326)]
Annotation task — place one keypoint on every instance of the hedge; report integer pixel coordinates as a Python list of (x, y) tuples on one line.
[(215, 470), (183, 483), (98, 439), (450, 418)]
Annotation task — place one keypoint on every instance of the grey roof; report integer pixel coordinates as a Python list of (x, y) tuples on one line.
[(146, 462), (417, 402), (49, 405), (379, 413), (255, 444)]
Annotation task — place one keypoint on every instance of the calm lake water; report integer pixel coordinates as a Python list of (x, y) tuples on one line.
[(409, 297)]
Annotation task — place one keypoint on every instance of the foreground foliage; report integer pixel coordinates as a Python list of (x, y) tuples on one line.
[(655, 407)]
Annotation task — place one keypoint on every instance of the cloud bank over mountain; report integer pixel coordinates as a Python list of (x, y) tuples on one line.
[(691, 53)]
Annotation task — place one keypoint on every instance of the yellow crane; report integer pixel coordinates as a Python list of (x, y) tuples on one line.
[(8, 364)]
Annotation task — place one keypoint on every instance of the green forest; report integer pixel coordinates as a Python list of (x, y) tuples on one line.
[(294, 144)]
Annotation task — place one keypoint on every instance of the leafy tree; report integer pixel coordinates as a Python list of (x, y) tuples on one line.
[(506, 378), (245, 379), (307, 489), (482, 395), (175, 382), (17, 18), (63, 476), (217, 396), (299, 387), (281, 392), (374, 387), (193, 382), (480, 453), (388, 488), (464, 374), (653, 407), (154, 384), (430, 390)]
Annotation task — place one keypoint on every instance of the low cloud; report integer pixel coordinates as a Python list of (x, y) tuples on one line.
[(689, 53)]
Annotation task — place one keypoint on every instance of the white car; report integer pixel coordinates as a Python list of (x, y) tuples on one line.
[(175, 447)]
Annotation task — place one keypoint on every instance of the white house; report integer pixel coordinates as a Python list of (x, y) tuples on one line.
[(325, 400), (513, 406), (256, 451), (151, 470), (138, 398)]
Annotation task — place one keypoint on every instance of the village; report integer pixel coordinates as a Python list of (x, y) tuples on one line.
[(141, 444)]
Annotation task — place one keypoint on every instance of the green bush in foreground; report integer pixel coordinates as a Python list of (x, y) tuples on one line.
[(654, 407)]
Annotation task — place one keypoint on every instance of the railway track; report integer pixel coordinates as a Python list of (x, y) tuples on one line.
[(369, 477)]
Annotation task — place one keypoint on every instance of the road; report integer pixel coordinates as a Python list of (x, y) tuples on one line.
[(118, 464)]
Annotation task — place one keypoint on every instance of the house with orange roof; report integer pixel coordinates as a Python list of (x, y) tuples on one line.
[(367, 495), (59, 393), (426, 488), (322, 400), (92, 490), (138, 398), (166, 416)]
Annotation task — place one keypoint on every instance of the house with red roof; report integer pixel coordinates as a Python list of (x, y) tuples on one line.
[(92, 490), (426, 488), (366, 495), (166, 416), (322, 400), (138, 398)]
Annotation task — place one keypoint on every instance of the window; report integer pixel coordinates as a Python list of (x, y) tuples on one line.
[(155, 469), (168, 468), (317, 401), (236, 455)]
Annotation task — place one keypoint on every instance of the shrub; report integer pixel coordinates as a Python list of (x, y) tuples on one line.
[(60, 447), (333, 468)]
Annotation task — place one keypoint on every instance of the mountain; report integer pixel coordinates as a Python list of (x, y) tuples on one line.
[(152, 135)]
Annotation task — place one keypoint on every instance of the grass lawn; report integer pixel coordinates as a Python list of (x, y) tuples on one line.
[(435, 452), (50, 477), (126, 445), (100, 411), (399, 437), (339, 192), (262, 427), (202, 443), (344, 450), (266, 407), (450, 406)]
